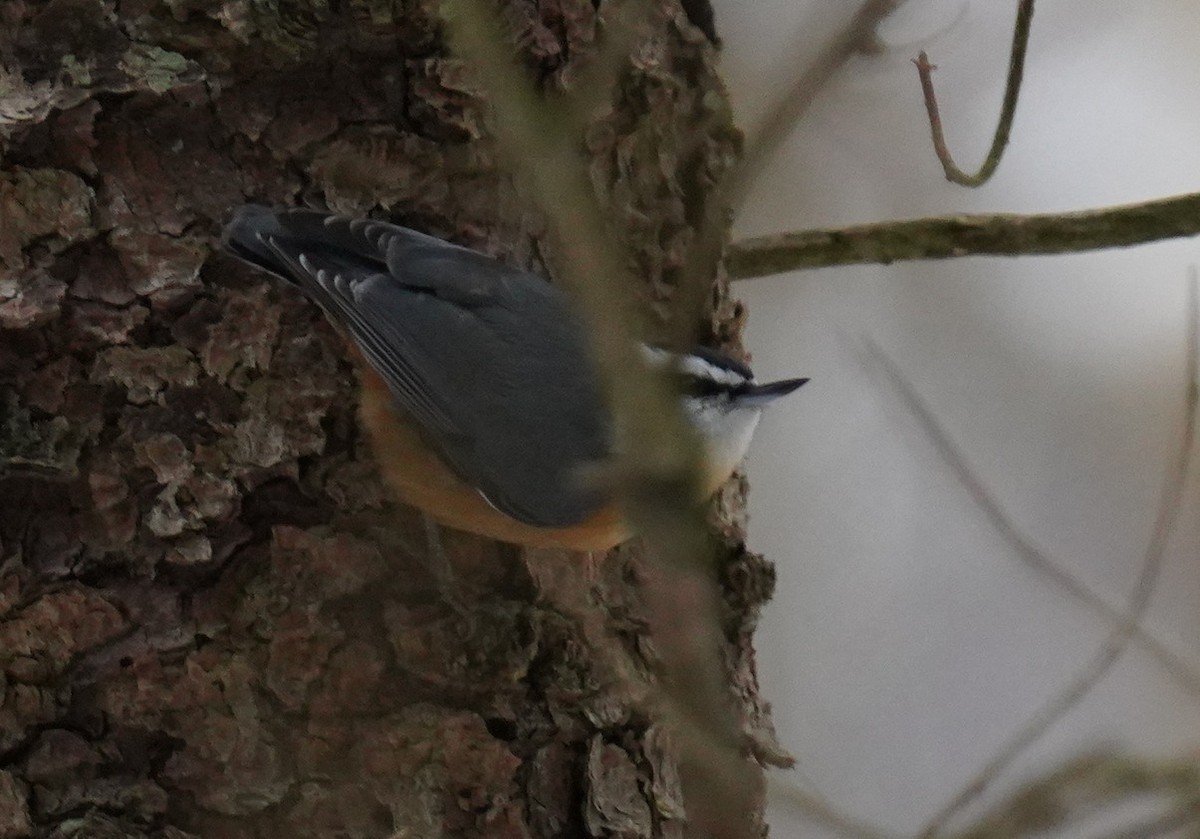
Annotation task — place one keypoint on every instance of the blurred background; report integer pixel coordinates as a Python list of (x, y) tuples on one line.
[(907, 641)]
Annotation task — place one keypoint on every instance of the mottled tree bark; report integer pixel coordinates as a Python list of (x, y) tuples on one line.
[(213, 621)]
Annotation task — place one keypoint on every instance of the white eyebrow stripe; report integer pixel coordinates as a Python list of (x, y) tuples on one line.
[(654, 356), (692, 365)]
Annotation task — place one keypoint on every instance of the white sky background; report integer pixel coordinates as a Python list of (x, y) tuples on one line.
[(906, 641)]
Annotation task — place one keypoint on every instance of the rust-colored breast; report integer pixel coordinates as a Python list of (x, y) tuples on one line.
[(421, 478)]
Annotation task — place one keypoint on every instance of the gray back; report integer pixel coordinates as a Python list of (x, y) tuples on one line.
[(488, 360)]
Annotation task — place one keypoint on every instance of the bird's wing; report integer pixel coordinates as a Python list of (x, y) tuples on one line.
[(482, 356), (416, 260)]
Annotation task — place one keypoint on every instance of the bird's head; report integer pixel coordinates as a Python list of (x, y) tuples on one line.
[(721, 399)]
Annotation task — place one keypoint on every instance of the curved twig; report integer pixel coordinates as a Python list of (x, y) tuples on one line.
[(1012, 90)]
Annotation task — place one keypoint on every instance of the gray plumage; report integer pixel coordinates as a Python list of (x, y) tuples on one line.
[(489, 361)]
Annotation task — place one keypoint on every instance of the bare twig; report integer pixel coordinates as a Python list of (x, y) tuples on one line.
[(1086, 785), (1118, 640), (1023, 546), (542, 143), (701, 267), (659, 468), (821, 811), (1165, 825), (591, 88), (764, 139), (944, 237), (1012, 90)]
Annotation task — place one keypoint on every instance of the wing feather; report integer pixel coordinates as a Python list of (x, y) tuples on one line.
[(338, 293), (488, 360)]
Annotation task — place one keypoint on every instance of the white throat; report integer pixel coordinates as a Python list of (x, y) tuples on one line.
[(725, 426), (726, 430)]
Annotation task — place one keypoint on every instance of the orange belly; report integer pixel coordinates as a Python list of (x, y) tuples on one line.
[(421, 478)]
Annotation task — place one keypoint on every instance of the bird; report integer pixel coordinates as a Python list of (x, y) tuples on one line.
[(479, 393)]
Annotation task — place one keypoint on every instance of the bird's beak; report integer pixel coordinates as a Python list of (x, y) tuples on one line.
[(757, 395)]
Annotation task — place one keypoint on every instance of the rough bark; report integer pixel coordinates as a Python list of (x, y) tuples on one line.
[(213, 622)]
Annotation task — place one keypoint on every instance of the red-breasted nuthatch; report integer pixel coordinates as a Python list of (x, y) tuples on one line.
[(478, 389)]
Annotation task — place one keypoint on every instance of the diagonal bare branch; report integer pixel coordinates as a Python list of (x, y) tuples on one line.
[(821, 811), (1117, 642), (697, 274), (1086, 785), (659, 466), (1023, 546), (590, 88)]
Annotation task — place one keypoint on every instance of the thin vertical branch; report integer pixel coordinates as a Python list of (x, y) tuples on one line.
[(1012, 91), (1115, 645)]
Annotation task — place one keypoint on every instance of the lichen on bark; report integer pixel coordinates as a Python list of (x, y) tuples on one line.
[(213, 622)]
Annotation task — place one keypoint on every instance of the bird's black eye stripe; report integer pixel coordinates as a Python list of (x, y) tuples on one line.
[(704, 386)]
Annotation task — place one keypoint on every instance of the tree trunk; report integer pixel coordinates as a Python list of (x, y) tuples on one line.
[(213, 621)]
